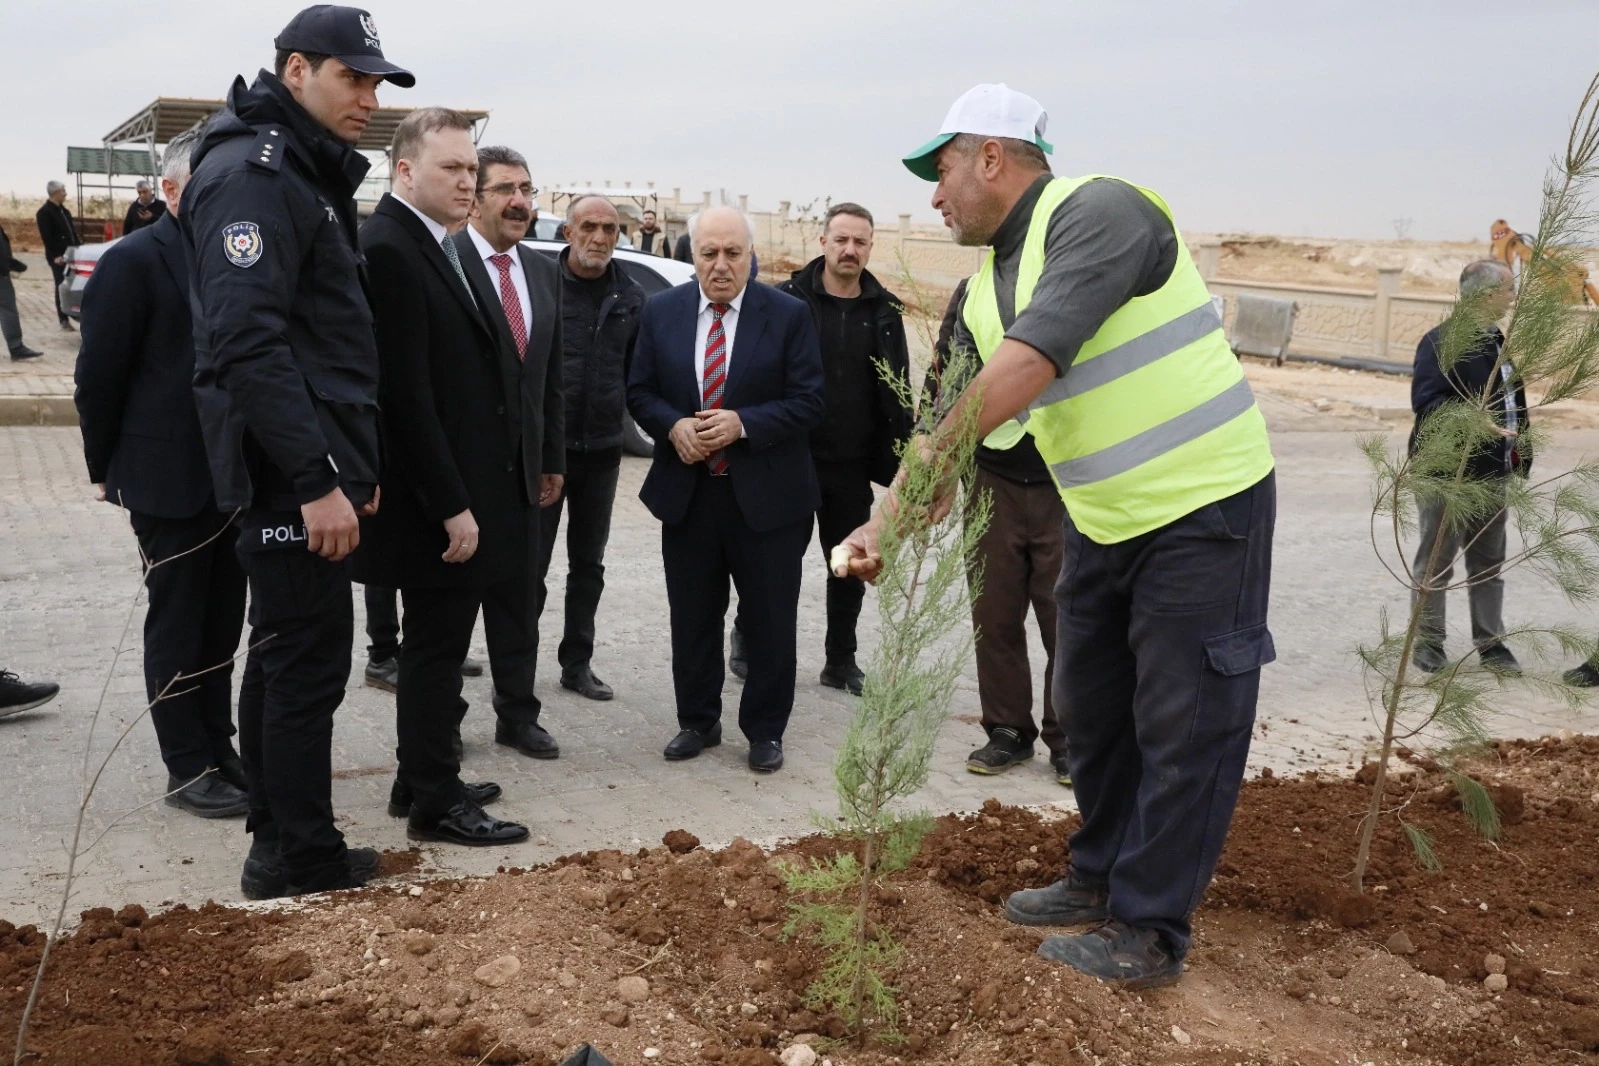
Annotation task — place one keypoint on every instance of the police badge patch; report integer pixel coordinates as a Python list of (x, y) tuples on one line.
[(369, 26), (242, 243)]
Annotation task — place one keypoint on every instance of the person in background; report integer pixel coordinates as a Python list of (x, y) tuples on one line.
[(145, 208), (1484, 371), (145, 453), (58, 232), (651, 239), (600, 309), (10, 321)]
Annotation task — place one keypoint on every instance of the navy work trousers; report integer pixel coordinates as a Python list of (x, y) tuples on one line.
[(1157, 671)]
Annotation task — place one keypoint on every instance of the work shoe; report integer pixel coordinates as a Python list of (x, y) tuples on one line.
[(1132, 957), (845, 675), (1429, 657), (264, 878), (1063, 769), (384, 674), (1584, 676), (25, 353), (465, 823), (17, 695), (209, 796), (1073, 900), (1005, 748), (1497, 658), (471, 667), (479, 792), (737, 660), (581, 680)]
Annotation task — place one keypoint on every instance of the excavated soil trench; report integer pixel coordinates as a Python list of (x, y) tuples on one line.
[(680, 950)]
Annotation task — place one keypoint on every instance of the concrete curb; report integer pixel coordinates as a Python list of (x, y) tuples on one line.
[(38, 411)]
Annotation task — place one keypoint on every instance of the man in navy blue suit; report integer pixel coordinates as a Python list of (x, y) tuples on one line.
[(727, 377)]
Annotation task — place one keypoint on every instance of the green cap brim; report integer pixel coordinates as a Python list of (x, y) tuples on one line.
[(924, 161)]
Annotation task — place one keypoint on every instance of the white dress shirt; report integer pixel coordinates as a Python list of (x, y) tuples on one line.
[(702, 334), (518, 278), (435, 228)]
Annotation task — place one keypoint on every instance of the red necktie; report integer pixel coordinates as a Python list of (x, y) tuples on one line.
[(513, 306), (714, 380)]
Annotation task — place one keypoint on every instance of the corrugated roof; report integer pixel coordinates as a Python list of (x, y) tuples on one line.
[(169, 116)]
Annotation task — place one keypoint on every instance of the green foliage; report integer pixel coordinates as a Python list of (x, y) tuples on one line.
[(1553, 346), (929, 573)]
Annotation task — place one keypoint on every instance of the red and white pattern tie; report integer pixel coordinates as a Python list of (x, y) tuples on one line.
[(513, 306), (714, 379)]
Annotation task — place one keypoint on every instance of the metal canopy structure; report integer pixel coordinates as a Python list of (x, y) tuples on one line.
[(130, 148)]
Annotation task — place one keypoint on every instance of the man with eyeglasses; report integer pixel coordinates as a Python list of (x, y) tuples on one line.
[(519, 291)]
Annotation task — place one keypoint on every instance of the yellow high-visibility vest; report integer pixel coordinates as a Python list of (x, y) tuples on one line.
[(1154, 419)]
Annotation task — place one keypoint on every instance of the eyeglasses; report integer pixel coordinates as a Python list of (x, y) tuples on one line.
[(506, 188)]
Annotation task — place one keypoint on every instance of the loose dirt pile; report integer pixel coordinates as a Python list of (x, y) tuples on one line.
[(676, 954)]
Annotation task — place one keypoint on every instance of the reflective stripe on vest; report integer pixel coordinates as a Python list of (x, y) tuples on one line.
[(1154, 419)]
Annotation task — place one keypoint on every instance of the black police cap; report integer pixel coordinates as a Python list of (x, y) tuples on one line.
[(348, 34)]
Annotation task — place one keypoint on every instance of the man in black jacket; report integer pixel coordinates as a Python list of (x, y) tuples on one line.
[(286, 374), (144, 210), (860, 324), (451, 523), (1481, 373), (600, 307), (10, 322), (520, 292), (58, 232), (141, 438)]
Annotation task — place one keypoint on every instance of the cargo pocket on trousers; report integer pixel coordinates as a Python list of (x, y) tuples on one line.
[(1229, 682)]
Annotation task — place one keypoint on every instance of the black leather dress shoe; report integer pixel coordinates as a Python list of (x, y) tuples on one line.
[(585, 684), (766, 756), (479, 792), (465, 823), (264, 877), (211, 796), (231, 767), (471, 667), (528, 738), (384, 675), (690, 742)]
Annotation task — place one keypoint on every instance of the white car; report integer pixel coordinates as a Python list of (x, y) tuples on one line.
[(654, 274)]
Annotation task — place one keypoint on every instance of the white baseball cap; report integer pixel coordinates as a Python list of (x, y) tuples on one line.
[(988, 111)]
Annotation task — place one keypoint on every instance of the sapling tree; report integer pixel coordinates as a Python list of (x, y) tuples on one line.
[(924, 642), (1553, 348)]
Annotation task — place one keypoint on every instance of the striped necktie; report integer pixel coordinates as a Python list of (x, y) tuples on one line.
[(714, 380), (455, 261)]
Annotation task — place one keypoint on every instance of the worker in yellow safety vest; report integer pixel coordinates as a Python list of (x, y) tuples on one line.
[(1097, 334)]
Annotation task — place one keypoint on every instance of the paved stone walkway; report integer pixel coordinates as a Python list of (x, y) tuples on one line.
[(69, 575)]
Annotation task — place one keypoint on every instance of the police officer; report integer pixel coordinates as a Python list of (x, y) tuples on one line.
[(286, 373), (1095, 329)]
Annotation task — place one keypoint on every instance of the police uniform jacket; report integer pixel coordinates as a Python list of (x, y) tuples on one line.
[(286, 361)]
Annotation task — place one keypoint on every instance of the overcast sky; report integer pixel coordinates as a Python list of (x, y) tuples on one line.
[(1278, 116)]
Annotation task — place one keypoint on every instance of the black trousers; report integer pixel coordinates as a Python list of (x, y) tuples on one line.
[(58, 271), (1021, 557), (712, 544), (429, 707), (1162, 638), (302, 632), (382, 623), (196, 614), (10, 323), (846, 505), (587, 499)]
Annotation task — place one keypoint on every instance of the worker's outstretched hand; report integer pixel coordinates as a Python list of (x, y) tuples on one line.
[(857, 554)]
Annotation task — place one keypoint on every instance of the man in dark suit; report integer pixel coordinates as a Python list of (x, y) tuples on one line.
[(144, 210), (727, 377), (141, 438), (10, 323), (450, 527), (520, 292), (58, 232)]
